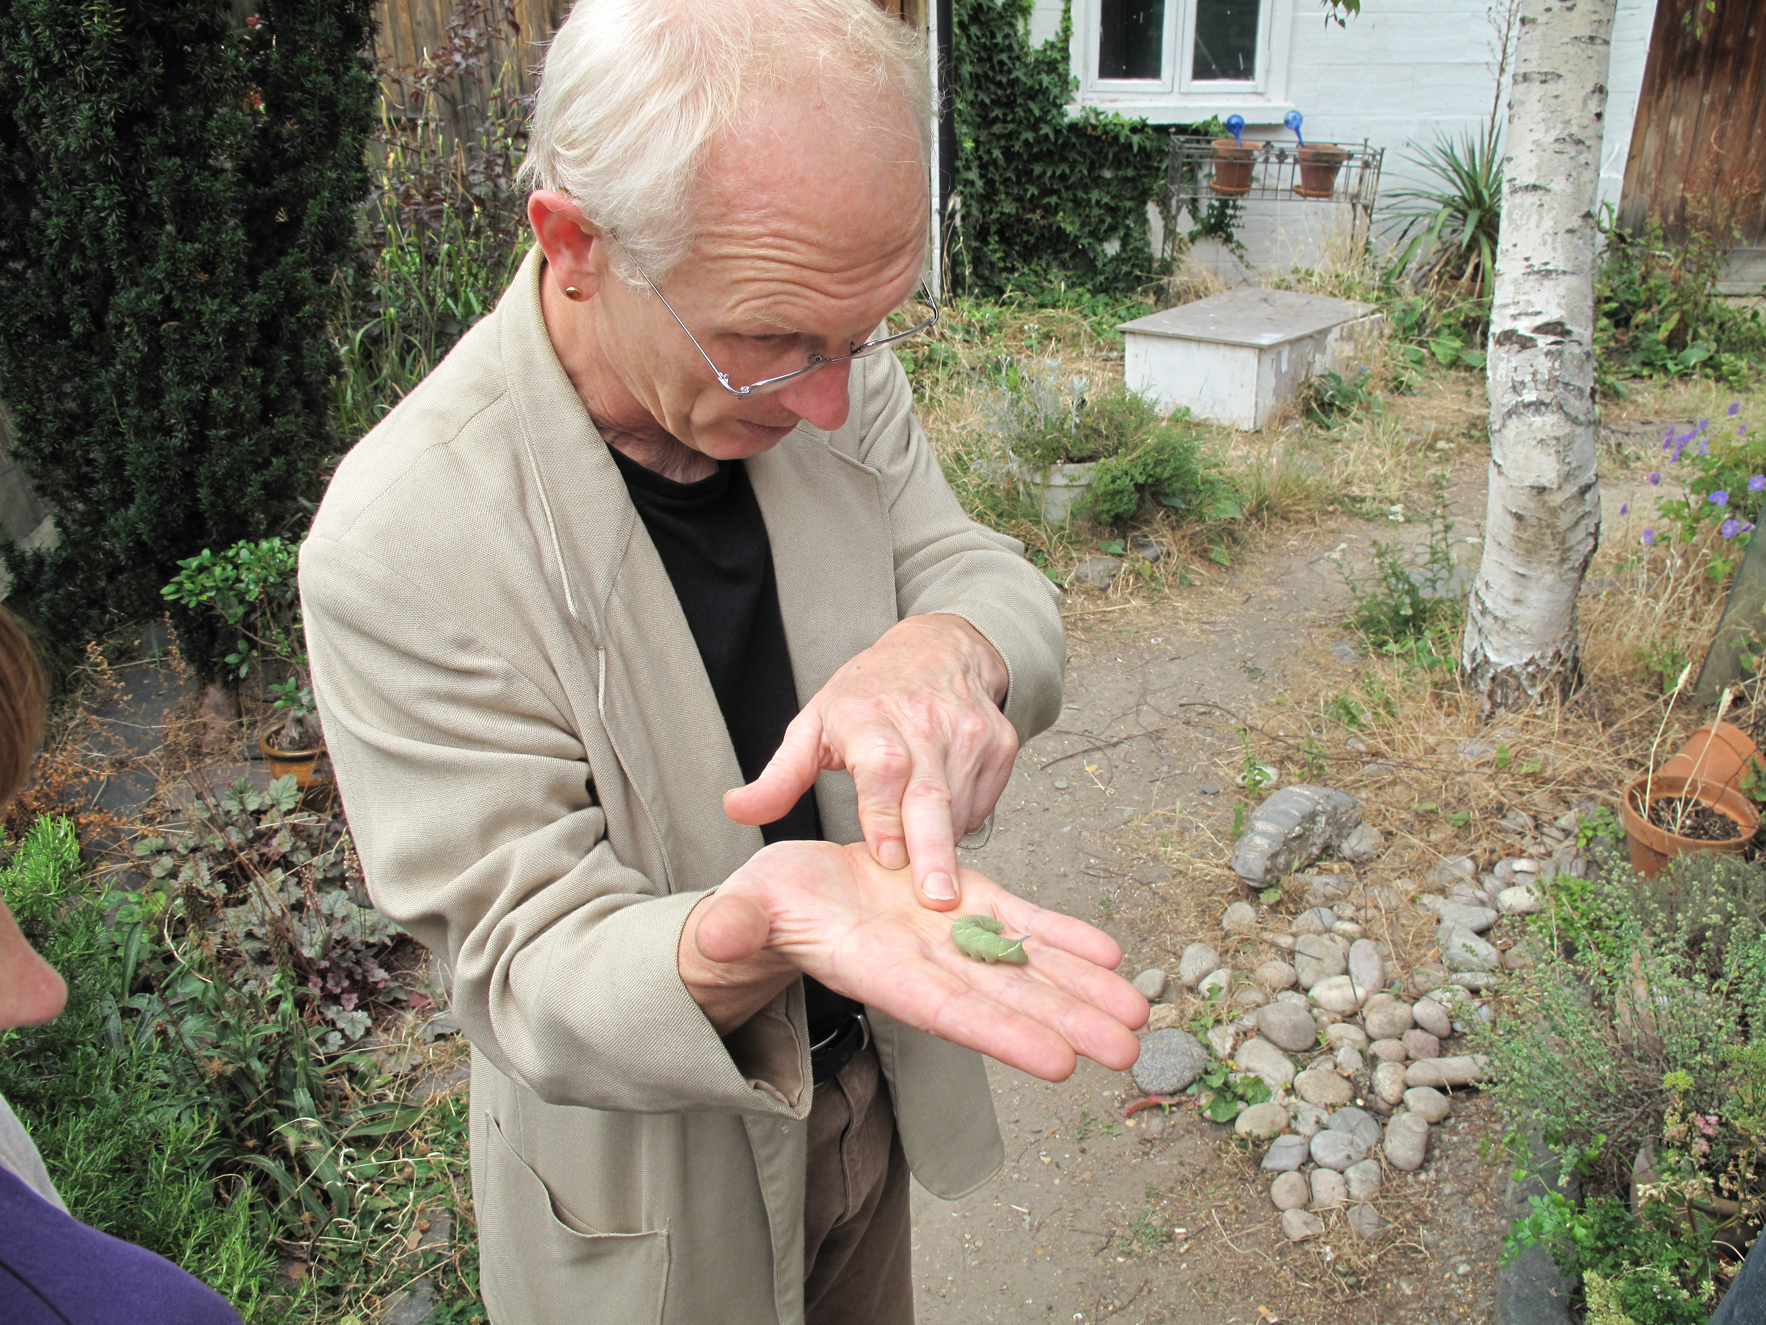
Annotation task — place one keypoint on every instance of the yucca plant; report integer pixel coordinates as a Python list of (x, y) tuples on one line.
[(1448, 226)]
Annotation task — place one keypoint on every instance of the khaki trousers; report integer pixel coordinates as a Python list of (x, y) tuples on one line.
[(857, 1243)]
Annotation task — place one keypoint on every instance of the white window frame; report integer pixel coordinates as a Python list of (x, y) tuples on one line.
[(1175, 96)]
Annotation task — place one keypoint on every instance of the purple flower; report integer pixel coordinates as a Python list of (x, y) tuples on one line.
[(1729, 527), (1757, 483), (1734, 406), (1649, 537), (1747, 526), (1656, 477), (1741, 429), (1718, 498), (1624, 508), (1705, 447)]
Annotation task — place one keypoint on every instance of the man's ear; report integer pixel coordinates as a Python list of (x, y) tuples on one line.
[(569, 242)]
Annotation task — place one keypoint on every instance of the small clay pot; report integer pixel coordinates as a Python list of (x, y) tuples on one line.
[(1232, 168), (283, 762), (1718, 753), (1319, 164), (1651, 847)]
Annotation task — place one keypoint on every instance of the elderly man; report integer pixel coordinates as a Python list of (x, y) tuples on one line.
[(573, 590)]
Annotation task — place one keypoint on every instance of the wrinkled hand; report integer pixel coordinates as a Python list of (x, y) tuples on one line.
[(833, 913), (916, 720)]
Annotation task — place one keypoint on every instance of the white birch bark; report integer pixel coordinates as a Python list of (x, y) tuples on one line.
[(1542, 522)]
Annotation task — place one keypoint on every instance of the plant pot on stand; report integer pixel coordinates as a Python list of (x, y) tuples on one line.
[(1319, 164), (1652, 846), (1232, 168)]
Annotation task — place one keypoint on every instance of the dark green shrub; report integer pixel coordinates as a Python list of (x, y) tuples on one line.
[(179, 197), (1043, 196)]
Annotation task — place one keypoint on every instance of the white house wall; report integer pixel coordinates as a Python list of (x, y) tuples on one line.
[(1402, 75)]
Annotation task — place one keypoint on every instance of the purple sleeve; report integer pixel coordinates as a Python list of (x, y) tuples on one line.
[(54, 1269)]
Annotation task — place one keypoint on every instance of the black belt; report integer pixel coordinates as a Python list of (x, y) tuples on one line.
[(835, 1051)]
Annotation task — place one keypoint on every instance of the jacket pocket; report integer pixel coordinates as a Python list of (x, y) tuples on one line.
[(542, 1266)]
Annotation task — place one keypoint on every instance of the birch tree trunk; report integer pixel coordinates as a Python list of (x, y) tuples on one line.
[(1542, 523)]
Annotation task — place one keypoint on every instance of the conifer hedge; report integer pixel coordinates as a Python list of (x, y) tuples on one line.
[(178, 192)]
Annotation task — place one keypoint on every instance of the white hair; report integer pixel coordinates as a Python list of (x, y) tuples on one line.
[(636, 93)]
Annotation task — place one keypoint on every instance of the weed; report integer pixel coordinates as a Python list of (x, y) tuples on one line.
[(1148, 1232), (1330, 396), (1664, 660), (1222, 1094), (1090, 1124), (1345, 710), (1402, 604)]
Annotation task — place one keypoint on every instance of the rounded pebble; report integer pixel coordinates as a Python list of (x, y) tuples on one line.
[(1240, 918), (1388, 1021), (1519, 900), (1337, 994), (1290, 1191), (1298, 1225), (1309, 1119), (1285, 1154), (1428, 1103), (1388, 1051), (1407, 1141), (1197, 961), (1433, 1018), (1215, 983), (1329, 1191), (1325, 1089), (1316, 921), (1420, 1044), (1459, 1070), (1389, 1082), (1364, 1219), (1363, 1179), (1348, 1060), (1287, 1027), (1151, 983), (1170, 1060), (1357, 1122), (1346, 1033), (1337, 1150), (1261, 1121), (1276, 976), (1260, 1057)]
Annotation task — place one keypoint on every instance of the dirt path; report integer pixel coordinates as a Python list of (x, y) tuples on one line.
[(1156, 1220)]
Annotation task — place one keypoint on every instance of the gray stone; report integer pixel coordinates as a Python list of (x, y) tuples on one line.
[(1363, 1179), (1388, 1021), (1388, 1051), (1198, 960), (1433, 1018), (1407, 1142), (1519, 900), (1459, 1070), (1358, 1123), (1428, 1103), (1337, 1150), (1316, 920), (1240, 918), (1151, 983), (1421, 1044), (1475, 918), (1478, 982), (1329, 1191), (1170, 1060), (1250, 997), (1348, 1060), (1293, 828), (1287, 1027), (1216, 983), (1348, 929), (1298, 1225), (1364, 1219), (1309, 1119), (1427, 977), (1146, 549), (1366, 967), (1323, 889), (1276, 976), (1317, 958), (1336, 994), (1346, 1033), (411, 1306), (1221, 1039), (1285, 1154), (1261, 1121), (1529, 1288), (1389, 1082), (1323, 1088), (1451, 870), (1096, 572), (1362, 845), (1290, 1191), (1261, 1058), (1463, 950)]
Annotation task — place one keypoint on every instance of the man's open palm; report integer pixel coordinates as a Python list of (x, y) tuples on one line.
[(835, 914)]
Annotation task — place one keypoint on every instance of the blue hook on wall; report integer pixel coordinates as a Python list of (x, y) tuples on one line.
[(1235, 125), (1293, 120)]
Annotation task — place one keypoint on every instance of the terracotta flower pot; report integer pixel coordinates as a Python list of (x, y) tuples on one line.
[(1232, 167), (283, 762), (1319, 164), (1717, 753), (1651, 847)]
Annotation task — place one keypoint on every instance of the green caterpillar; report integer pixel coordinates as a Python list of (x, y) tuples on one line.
[(979, 937)]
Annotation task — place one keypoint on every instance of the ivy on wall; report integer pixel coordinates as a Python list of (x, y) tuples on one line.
[(1042, 194)]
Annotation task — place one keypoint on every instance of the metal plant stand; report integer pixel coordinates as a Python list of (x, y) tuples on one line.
[(1214, 200)]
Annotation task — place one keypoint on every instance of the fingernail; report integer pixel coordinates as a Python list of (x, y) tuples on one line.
[(892, 854), (940, 887)]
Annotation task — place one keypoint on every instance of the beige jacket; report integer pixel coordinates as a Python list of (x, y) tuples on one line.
[(533, 763)]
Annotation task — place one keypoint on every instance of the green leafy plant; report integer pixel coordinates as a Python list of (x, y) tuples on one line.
[(1449, 225), (1222, 1094), (250, 589), (1330, 396), (1402, 603), (1724, 478), (1045, 194), (1648, 1271), (1663, 660), (181, 200)]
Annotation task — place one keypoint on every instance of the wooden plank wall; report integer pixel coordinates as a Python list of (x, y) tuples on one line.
[(408, 29), (1700, 121)]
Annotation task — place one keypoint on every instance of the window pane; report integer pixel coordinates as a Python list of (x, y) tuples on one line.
[(1226, 40), (1131, 38)]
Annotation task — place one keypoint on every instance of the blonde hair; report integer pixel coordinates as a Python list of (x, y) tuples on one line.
[(636, 93), (23, 699)]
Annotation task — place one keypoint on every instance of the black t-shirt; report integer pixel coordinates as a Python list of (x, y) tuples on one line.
[(713, 543)]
